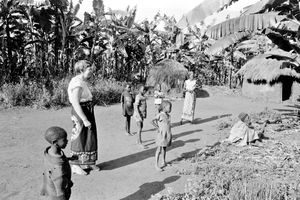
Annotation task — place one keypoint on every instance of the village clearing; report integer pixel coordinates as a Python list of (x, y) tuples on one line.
[(128, 172)]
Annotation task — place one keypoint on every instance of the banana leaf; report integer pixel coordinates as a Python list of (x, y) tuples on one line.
[(288, 26), (225, 42), (239, 55), (200, 12), (251, 23), (262, 6)]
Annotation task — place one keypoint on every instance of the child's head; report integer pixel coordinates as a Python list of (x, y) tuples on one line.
[(128, 87), (142, 89), (191, 74), (244, 117), (158, 87), (165, 106), (56, 136)]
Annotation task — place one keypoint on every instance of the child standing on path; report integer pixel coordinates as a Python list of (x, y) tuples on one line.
[(127, 107), (158, 96), (164, 136), (140, 112), (57, 171)]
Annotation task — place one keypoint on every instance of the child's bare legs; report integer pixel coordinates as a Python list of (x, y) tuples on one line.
[(127, 124), (140, 125), (157, 154), (164, 152)]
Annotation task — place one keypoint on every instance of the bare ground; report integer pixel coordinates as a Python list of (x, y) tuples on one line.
[(128, 172)]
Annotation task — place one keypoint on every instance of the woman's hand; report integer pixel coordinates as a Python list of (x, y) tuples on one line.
[(87, 123)]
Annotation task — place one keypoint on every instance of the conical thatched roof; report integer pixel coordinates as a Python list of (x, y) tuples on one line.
[(168, 72), (269, 68)]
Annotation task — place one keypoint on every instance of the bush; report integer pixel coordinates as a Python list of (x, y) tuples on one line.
[(20, 94), (107, 91), (55, 95)]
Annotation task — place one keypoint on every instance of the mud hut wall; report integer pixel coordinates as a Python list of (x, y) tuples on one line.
[(295, 91), (263, 91)]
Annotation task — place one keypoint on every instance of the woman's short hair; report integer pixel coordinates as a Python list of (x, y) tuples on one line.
[(81, 65)]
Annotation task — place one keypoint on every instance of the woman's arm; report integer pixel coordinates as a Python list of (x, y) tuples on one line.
[(75, 97), (122, 99), (184, 87)]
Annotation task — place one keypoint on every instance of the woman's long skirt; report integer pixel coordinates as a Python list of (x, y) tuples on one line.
[(189, 106), (83, 139)]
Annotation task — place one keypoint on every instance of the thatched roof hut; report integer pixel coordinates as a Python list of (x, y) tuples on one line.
[(169, 73), (268, 67), (273, 76)]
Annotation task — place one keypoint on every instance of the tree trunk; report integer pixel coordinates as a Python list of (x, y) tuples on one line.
[(9, 50)]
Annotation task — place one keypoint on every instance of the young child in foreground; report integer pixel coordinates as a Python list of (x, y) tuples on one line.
[(57, 171), (158, 96), (140, 113), (164, 136), (127, 107), (243, 132)]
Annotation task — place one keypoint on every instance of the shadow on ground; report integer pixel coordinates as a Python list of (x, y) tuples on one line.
[(148, 189), (137, 157), (201, 93)]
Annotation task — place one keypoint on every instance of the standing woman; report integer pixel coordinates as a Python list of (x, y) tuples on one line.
[(190, 99), (84, 133)]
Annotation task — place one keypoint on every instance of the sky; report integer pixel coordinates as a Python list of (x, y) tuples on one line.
[(145, 8)]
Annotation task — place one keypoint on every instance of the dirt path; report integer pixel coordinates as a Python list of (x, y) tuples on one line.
[(127, 171)]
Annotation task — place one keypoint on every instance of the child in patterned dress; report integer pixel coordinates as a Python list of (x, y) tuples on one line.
[(164, 136)]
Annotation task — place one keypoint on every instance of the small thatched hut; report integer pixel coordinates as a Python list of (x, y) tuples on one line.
[(169, 73), (272, 77)]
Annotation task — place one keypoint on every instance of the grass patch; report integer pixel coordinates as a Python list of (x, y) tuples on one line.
[(264, 171)]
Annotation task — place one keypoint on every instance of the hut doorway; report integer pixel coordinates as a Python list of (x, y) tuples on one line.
[(287, 83)]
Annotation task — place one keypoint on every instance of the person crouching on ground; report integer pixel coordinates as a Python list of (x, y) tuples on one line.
[(158, 97), (127, 107), (243, 133), (164, 136), (140, 113), (57, 171)]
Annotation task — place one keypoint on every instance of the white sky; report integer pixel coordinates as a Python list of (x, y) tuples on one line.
[(145, 8)]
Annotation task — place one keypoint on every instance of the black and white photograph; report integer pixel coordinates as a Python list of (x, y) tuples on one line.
[(150, 100)]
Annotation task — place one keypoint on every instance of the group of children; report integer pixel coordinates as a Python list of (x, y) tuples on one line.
[(57, 171)]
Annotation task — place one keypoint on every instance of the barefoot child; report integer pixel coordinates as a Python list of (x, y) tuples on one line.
[(57, 171), (140, 112), (164, 136), (158, 96), (127, 107)]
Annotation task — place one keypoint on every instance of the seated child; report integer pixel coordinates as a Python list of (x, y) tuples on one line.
[(127, 101), (243, 132), (57, 171)]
